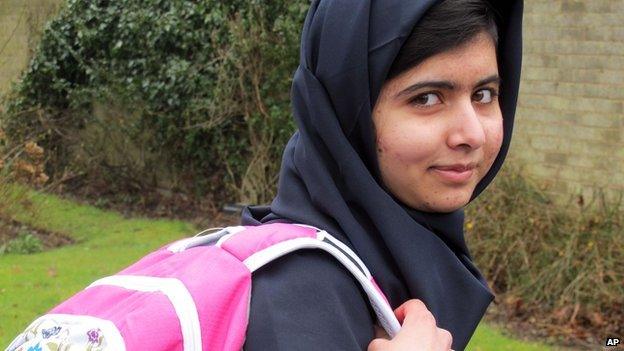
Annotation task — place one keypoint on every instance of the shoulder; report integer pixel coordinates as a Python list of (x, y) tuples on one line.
[(307, 300)]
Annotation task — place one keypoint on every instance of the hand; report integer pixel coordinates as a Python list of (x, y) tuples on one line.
[(419, 331)]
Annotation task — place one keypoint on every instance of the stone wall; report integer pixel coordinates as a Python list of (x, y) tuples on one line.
[(20, 24), (570, 121)]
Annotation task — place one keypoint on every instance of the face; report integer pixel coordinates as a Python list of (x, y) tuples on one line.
[(439, 127)]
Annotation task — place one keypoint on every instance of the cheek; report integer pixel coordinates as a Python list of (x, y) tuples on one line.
[(494, 140), (404, 145)]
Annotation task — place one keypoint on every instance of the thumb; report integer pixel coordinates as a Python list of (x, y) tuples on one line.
[(380, 333)]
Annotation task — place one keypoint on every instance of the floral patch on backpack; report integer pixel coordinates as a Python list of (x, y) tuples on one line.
[(62, 333)]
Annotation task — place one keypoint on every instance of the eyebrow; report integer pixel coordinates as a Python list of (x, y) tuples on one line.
[(444, 84)]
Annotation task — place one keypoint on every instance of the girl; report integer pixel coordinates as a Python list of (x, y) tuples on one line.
[(405, 112)]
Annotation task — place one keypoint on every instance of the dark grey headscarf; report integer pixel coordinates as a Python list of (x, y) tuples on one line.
[(329, 176)]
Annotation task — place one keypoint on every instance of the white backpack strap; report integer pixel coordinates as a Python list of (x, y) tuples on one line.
[(344, 255)]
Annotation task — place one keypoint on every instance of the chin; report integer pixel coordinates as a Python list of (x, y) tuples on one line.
[(448, 205), (443, 208), (440, 201)]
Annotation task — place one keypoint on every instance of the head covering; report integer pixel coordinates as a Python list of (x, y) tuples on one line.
[(329, 176)]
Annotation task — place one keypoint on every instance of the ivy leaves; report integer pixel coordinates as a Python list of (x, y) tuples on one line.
[(209, 80)]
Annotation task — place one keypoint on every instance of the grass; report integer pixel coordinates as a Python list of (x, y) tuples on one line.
[(32, 284), (490, 338)]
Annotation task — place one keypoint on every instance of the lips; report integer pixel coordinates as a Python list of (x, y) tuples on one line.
[(456, 173), (456, 168)]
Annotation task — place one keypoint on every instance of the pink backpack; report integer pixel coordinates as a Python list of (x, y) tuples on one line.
[(191, 295)]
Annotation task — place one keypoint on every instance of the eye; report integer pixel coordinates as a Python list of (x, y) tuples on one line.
[(426, 100), (484, 96)]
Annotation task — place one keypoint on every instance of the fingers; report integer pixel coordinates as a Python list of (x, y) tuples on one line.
[(445, 338), (414, 312), (410, 307), (378, 345), (419, 325)]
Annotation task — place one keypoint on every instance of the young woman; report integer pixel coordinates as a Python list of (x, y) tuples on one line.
[(405, 112)]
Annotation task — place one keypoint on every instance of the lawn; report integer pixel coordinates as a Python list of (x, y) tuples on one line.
[(107, 242)]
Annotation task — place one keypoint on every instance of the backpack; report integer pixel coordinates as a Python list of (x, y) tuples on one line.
[(191, 295)]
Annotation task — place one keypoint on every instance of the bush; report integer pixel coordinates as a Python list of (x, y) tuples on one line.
[(23, 163), (25, 243), (190, 96), (559, 266)]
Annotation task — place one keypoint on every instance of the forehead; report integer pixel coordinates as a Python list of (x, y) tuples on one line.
[(463, 65)]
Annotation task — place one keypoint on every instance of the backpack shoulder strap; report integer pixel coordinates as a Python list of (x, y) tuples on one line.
[(259, 245)]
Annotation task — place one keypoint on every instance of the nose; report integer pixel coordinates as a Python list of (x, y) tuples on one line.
[(467, 130)]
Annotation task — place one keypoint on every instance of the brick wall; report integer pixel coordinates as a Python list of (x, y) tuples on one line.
[(20, 22), (570, 122)]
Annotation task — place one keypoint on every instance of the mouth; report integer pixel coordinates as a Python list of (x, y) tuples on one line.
[(456, 173)]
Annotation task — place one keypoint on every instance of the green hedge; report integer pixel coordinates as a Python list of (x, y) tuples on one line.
[(174, 94)]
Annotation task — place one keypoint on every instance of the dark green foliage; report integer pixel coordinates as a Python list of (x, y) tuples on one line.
[(195, 91)]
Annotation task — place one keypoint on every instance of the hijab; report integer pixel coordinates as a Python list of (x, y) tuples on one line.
[(329, 176)]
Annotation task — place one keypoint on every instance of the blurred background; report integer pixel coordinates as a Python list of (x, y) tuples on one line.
[(128, 124)]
